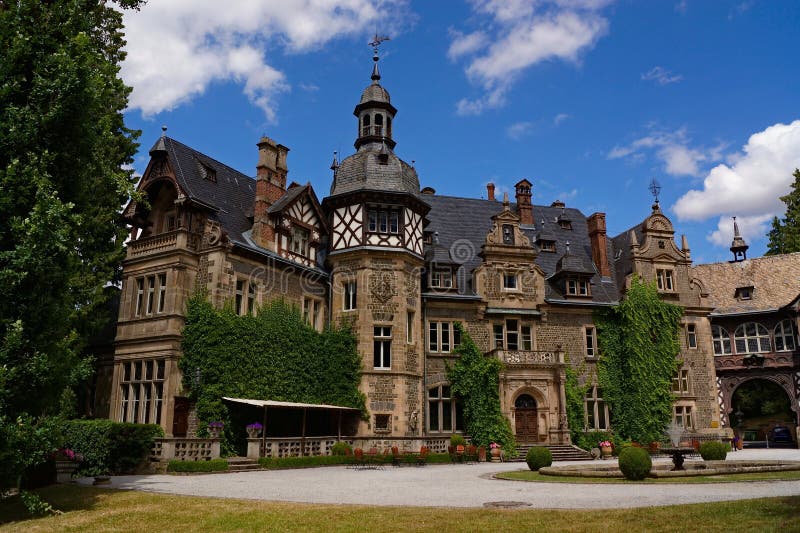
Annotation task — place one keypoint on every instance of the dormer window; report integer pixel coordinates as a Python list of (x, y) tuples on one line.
[(383, 221), (442, 278), (299, 241), (565, 224), (509, 281), (744, 293), (547, 246), (665, 278), (578, 287), (427, 237)]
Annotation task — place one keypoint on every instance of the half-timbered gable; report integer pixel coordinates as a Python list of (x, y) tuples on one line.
[(300, 225)]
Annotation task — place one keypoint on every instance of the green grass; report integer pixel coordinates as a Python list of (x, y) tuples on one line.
[(214, 465), (92, 509), (528, 475)]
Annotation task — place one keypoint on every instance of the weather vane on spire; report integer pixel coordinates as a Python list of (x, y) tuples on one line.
[(376, 42), (655, 188)]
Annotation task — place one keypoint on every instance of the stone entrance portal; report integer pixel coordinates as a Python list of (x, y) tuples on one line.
[(525, 417)]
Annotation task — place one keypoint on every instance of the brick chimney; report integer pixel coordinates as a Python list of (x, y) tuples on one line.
[(271, 174), (524, 207), (597, 235), (490, 191)]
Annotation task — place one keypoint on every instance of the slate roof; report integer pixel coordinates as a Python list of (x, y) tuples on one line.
[(463, 224), (775, 279), (364, 171), (622, 261), (375, 93)]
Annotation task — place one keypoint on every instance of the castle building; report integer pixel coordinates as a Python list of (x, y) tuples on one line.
[(401, 265)]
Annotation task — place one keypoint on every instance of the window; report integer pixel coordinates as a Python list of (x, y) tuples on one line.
[(251, 298), (512, 335), (665, 278), (350, 295), (784, 336), (499, 335), (442, 337), (410, 327), (311, 312), (751, 337), (547, 246), (139, 297), (565, 224), (527, 338), (162, 292), (298, 242), (578, 287), (142, 391), (744, 293), (596, 409), (239, 300), (722, 340), (151, 294), (508, 234), (365, 128), (171, 222), (442, 278), (590, 339), (509, 281), (682, 416), (445, 413), (383, 423), (680, 383), (382, 347), (691, 335), (383, 220)]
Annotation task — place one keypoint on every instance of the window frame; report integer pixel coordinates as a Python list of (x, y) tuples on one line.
[(382, 347), (442, 278), (721, 338), (784, 335), (436, 336), (440, 404), (592, 419), (590, 342), (684, 412), (691, 336), (350, 295), (410, 327), (665, 279), (506, 285), (141, 389), (746, 338), (682, 383), (312, 312), (384, 220)]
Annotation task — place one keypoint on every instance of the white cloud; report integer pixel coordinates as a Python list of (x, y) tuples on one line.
[(752, 228), (661, 76), (177, 48), (517, 34), (681, 7), (672, 148), (519, 129), (567, 195), (752, 182), (561, 117)]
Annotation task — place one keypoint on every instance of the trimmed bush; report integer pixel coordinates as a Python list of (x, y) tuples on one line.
[(304, 462), (714, 451), (538, 457), (214, 465), (635, 463), (110, 447), (341, 448)]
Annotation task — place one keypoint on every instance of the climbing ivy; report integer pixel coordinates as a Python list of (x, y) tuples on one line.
[(638, 343), (475, 379), (272, 355), (575, 393)]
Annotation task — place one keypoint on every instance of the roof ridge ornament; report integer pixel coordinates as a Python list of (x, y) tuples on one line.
[(375, 43), (655, 190)]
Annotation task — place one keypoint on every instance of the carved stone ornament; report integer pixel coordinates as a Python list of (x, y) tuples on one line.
[(382, 286), (213, 233)]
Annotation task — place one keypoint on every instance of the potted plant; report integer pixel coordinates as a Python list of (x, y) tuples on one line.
[(254, 430), (605, 448), (215, 429), (482, 454), (67, 462), (496, 451)]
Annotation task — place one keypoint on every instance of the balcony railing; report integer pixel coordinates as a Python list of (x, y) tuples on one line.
[(173, 240), (529, 357)]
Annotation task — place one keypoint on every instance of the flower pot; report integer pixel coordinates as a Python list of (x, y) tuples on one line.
[(606, 451), (481, 454), (64, 471), (496, 455), (253, 433), (214, 432)]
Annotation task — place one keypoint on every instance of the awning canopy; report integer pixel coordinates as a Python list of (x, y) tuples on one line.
[(294, 405)]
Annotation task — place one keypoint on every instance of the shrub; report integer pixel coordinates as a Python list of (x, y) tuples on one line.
[(457, 440), (635, 463), (341, 448), (214, 465), (110, 447), (713, 451), (538, 457), (303, 462), (590, 439)]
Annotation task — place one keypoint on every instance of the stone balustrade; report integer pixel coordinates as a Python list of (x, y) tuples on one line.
[(291, 447), (185, 449), (179, 239), (529, 357)]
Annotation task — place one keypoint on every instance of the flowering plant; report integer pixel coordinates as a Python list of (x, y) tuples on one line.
[(605, 444), (216, 424), (494, 445), (66, 454), (254, 425)]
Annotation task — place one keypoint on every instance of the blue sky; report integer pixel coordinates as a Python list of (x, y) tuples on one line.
[(588, 99)]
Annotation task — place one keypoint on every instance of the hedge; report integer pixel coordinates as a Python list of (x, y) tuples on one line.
[(110, 447), (714, 451), (214, 465), (327, 460)]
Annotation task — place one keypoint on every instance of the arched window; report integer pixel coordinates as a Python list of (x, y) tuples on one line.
[(378, 124), (722, 340), (365, 126), (784, 336), (445, 413), (751, 337)]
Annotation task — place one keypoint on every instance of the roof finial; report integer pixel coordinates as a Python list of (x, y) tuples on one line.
[(375, 43), (335, 163), (505, 201), (567, 245), (164, 131), (655, 189), (738, 246)]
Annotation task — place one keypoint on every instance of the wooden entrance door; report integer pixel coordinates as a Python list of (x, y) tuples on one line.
[(526, 419), (180, 417)]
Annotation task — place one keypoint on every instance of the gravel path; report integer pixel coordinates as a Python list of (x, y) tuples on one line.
[(453, 486)]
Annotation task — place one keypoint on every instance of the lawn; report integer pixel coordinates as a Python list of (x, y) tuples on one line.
[(91, 509), (528, 475)]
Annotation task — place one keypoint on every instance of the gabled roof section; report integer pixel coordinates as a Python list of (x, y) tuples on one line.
[(294, 193), (775, 280)]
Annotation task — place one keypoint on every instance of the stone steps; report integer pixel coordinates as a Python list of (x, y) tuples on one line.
[(242, 464), (561, 452)]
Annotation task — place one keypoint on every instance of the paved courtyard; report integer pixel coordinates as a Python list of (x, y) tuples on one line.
[(453, 486)]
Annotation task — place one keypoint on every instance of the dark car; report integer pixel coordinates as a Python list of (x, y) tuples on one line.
[(781, 436)]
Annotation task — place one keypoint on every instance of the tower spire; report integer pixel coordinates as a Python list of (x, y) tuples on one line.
[(375, 43), (738, 245)]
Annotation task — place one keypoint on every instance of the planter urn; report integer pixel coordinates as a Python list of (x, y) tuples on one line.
[(496, 455), (606, 451)]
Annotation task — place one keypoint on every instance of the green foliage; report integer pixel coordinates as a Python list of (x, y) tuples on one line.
[(35, 505), (714, 450), (341, 448), (272, 355), (457, 440), (25, 442), (476, 380), (784, 237), (638, 344), (591, 439), (759, 397), (538, 457), (575, 394), (110, 447), (214, 465), (304, 462), (635, 463)]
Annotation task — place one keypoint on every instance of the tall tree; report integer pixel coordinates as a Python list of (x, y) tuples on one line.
[(784, 237), (64, 149), (638, 346)]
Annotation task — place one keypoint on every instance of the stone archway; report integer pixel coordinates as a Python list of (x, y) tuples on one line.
[(727, 385), (526, 416)]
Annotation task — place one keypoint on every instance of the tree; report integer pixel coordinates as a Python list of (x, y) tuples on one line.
[(784, 237), (64, 149), (475, 379), (638, 343)]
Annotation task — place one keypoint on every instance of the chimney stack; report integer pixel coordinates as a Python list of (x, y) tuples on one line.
[(597, 236), (271, 171), (490, 191), (524, 207)]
